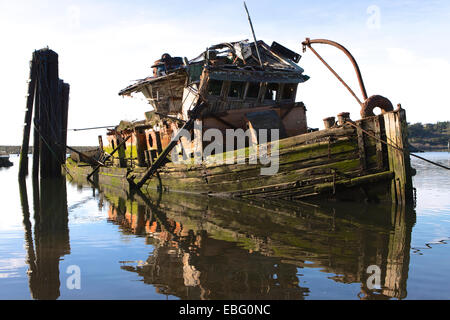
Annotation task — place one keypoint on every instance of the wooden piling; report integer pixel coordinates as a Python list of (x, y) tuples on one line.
[(49, 113), (64, 120), (399, 162), (50, 97), (23, 164), (36, 134)]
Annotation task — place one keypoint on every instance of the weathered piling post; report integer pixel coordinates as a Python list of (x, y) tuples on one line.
[(36, 137), (50, 96), (64, 120), (49, 112), (23, 164), (399, 162)]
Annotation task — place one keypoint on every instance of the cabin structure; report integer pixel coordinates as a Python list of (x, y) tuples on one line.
[(241, 92)]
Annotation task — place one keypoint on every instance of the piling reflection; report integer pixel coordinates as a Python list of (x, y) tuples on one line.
[(210, 248), (51, 235)]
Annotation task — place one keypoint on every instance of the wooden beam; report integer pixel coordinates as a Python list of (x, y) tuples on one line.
[(23, 164), (361, 147), (378, 144)]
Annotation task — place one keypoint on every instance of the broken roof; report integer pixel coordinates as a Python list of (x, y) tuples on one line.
[(237, 56)]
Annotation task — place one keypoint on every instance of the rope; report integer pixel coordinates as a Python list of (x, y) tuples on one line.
[(394, 146)]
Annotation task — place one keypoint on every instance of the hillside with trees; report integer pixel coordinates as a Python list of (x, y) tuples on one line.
[(429, 136)]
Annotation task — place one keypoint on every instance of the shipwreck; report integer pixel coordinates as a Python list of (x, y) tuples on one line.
[(251, 87)]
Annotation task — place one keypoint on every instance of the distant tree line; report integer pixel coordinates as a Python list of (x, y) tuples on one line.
[(429, 136)]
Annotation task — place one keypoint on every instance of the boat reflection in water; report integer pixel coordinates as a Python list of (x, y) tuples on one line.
[(51, 235), (211, 248)]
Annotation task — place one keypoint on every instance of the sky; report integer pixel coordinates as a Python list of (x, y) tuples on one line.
[(401, 47)]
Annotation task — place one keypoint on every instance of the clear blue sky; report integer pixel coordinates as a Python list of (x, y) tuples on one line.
[(402, 48)]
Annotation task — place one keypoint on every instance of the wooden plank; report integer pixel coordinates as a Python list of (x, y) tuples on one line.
[(388, 123), (379, 146), (395, 126), (23, 162), (36, 136), (361, 148), (292, 157), (64, 120)]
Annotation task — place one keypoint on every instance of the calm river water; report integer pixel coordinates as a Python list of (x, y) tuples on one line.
[(66, 240)]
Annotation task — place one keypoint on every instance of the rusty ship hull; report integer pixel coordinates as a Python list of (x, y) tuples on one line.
[(344, 162)]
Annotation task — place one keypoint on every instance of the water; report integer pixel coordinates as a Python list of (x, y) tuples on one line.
[(171, 246)]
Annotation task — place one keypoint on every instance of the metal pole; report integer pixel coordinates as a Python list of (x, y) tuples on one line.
[(308, 42), (253, 32)]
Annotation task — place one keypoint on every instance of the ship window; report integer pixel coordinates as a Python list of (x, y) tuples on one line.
[(236, 89), (150, 140), (253, 90), (271, 91), (289, 91), (214, 87)]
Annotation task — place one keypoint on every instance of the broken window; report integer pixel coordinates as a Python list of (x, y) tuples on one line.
[(289, 91), (236, 89), (195, 71), (214, 87), (271, 91), (253, 90), (150, 140)]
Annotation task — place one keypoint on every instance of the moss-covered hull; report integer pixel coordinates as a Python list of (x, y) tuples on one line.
[(343, 162)]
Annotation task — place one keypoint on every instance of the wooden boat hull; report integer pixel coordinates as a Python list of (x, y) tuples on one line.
[(341, 162)]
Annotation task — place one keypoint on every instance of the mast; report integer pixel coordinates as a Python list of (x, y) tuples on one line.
[(253, 32)]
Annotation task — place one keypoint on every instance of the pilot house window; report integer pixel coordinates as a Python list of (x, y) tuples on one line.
[(289, 91), (214, 87), (236, 89), (253, 90), (271, 91)]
